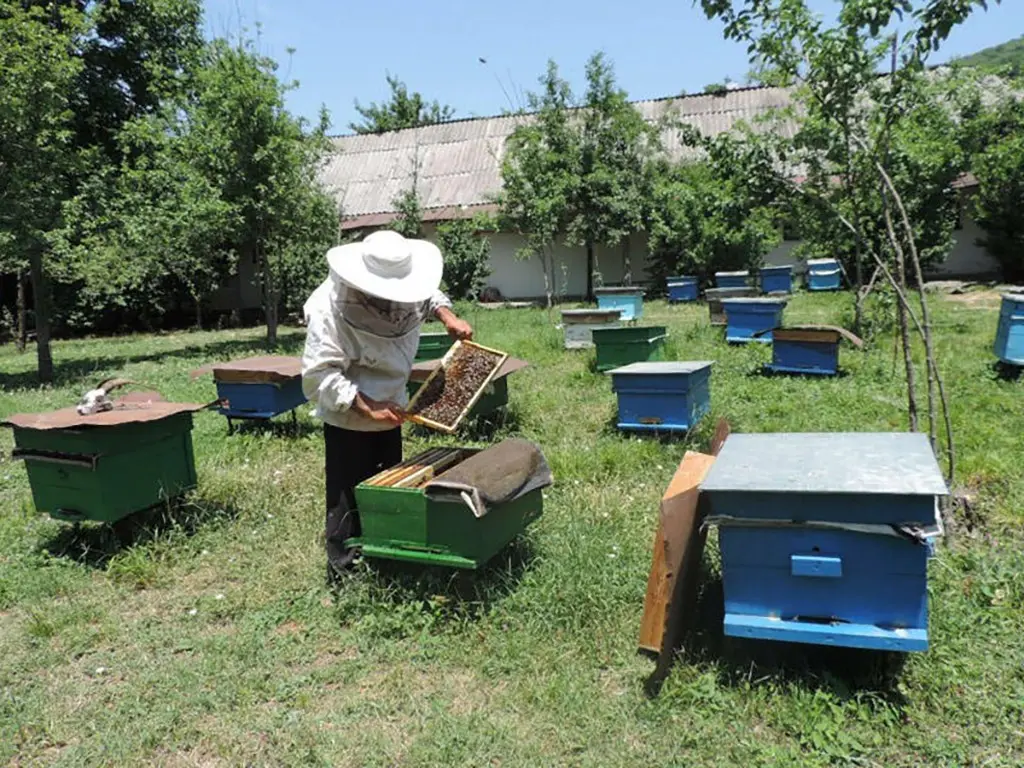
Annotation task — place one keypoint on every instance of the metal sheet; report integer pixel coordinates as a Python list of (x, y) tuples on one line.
[(599, 315), (741, 300), (254, 370), (613, 290), (662, 368), (898, 463), (740, 273), (1014, 297), (821, 261), (127, 410)]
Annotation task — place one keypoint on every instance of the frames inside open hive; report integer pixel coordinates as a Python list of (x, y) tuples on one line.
[(454, 386), (420, 469)]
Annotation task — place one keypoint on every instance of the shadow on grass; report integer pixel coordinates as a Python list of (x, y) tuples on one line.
[(445, 594), (70, 371), (840, 671), (764, 371), (94, 544), (285, 427), (1007, 372)]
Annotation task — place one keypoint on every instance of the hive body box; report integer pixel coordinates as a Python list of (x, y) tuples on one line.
[(662, 396), (636, 344), (813, 352), (629, 301), (749, 319), (404, 524), (105, 473), (777, 279), (739, 279), (823, 275), (1009, 346), (579, 325), (259, 388), (432, 346), (715, 297), (682, 288), (809, 552)]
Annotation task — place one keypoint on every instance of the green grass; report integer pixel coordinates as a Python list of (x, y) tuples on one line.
[(212, 640)]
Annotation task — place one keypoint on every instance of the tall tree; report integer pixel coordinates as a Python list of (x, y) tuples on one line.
[(540, 174), (264, 162), (402, 110), (852, 110), (38, 70), (616, 144)]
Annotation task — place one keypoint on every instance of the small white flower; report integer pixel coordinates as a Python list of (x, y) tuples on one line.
[(219, 596), (205, 552), (270, 516), (193, 612), (101, 670), (612, 555)]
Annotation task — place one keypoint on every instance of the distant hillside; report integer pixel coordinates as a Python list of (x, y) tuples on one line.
[(1009, 54)]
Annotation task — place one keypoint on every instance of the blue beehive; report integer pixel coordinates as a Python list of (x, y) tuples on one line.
[(1009, 346), (629, 301), (825, 538), (752, 319), (259, 388), (662, 397), (809, 349), (739, 279), (682, 288), (823, 275), (777, 279)]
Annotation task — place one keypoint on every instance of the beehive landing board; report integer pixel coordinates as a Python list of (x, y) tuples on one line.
[(898, 463), (452, 389)]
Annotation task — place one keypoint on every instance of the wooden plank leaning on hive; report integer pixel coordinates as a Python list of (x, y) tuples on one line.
[(675, 566)]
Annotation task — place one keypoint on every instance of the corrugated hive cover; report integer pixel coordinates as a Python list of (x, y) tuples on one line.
[(690, 366), (892, 463)]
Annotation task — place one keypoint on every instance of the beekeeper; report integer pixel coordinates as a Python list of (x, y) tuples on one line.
[(362, 332)]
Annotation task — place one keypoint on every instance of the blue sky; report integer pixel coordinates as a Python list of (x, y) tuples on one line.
[(342, 49)]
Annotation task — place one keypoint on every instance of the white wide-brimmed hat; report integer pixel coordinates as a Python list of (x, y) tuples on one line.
[(386, 265)]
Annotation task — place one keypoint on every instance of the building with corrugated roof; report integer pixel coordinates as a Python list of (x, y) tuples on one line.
[(456, 169)]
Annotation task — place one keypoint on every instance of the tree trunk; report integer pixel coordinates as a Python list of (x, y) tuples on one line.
[(901, 309), (41, 302), (199, 311), (627, 265), (590, 271), (21, 339), (269, 299), (544, 260)]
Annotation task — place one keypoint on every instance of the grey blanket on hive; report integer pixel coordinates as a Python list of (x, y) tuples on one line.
[(502, 473)]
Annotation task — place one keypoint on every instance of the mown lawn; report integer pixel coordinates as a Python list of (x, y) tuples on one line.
[(214, 641)]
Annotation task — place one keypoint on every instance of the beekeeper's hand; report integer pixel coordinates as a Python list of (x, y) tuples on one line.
[(457, 327), (379, 410)]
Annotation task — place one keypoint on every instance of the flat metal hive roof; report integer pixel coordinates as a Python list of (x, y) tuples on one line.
[(822, 261), (744, 300), (585, 312), (891, 463), (662, 367), (1014, 296), (739, 273)]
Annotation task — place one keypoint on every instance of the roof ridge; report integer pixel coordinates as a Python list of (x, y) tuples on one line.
[(477, 118)]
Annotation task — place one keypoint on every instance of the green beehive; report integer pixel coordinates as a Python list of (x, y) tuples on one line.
[(106, 466), (405, 523), (618, 347), (433, 346)]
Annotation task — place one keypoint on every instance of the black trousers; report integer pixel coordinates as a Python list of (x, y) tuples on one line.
[(350, 458)]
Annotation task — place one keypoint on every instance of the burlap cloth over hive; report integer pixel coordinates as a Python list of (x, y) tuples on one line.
[(502, 473)]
